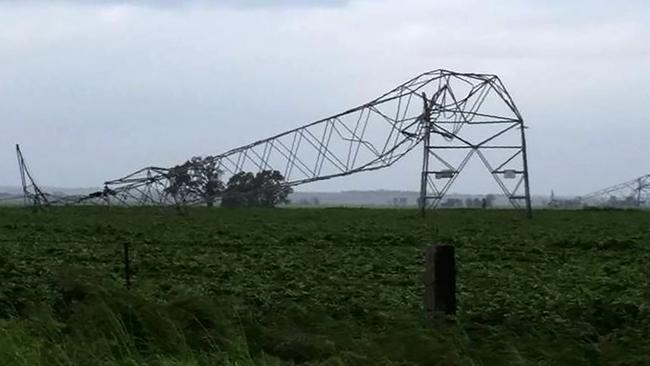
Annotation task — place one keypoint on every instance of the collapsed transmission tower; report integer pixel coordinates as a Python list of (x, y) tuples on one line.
[(453, 116), (32, 193), (633, 193)]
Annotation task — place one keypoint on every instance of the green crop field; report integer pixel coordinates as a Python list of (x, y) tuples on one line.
[(321, 287)]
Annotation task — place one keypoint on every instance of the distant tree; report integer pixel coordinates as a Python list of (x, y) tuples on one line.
[(489, 200), (197, 177), (468, 202), (206, 179), (399, 201), (238, 192), (315, 201), (264, 189), (452, 203), (179, 183), (271, 189), (473, 202)]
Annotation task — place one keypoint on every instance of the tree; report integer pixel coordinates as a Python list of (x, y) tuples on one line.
[(473, 202), (179, 182), (238, 192), (264, 189), (197, 177), (468, 202), (206, 178), (489, 200)]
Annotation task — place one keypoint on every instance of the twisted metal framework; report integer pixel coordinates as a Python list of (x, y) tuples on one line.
[(37, 197), (633, 193), (32, 193), (468, 115), (448, 112), (145, 186)]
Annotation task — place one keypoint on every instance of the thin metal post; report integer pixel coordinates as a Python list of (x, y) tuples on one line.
[(529, 208), (21, 167), (426, 141)]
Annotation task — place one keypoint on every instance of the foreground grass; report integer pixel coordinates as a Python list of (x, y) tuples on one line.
[(97, 323), (320, 287)]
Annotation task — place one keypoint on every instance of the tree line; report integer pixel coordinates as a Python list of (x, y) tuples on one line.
[(201, 178)]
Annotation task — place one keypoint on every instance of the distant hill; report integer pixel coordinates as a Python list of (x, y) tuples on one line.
[(376, 198), (389, 198), (9, 190), (54, 190)]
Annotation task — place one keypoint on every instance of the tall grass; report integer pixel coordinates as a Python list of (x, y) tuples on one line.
[(97, 323)]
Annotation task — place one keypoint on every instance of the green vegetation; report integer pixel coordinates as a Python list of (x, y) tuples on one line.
[(320, 287), (264, 189), (200, 178)]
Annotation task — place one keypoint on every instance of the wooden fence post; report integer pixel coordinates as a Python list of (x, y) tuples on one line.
[(440, 281)]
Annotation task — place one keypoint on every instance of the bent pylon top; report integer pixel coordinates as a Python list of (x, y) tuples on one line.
[(371, 136)]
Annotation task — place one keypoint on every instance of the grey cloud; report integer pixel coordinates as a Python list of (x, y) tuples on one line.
[(181, 4), (94, 93)]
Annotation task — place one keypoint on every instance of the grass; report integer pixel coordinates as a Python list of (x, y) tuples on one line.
[(320, 287)]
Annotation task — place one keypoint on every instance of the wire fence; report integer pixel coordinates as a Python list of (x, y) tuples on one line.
[(138, 256)]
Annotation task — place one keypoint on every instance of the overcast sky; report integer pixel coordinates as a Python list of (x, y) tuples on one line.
[(93, 90)]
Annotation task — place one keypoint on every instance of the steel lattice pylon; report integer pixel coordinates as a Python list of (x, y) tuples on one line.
[(443, 110), (633, 193), (468, 115)]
